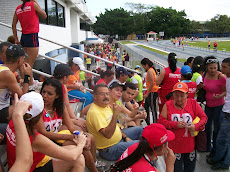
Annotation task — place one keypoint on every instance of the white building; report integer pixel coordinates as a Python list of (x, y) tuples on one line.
[(67, 23)]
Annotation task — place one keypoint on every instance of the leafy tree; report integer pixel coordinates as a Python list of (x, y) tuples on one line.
[(219, 24), (196, 27), (112, 22), (168, 20)]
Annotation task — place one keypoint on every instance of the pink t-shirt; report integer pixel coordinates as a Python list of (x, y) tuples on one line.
[(214, 87)]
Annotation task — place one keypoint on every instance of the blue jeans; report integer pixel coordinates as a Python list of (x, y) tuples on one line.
[(114, 152), (222, 154), (185, 162), (85, 98), (213, 114)]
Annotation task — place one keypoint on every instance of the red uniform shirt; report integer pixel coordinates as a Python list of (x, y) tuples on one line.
[(169, 81), (28, 18), (183, 142), (141, 165), (191, 89), (11, 147), (52, 124)]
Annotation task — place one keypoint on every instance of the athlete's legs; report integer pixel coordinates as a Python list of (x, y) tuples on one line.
[(32, 53)]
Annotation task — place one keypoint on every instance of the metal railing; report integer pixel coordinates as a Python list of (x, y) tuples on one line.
[(76, 50)]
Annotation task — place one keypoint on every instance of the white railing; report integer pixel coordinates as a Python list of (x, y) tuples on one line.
[(79, 51)]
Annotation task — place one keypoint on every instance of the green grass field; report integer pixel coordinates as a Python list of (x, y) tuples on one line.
[(127, 42), (153, 50), (221, 44)]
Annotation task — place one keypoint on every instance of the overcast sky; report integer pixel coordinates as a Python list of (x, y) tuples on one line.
[(199, 10)]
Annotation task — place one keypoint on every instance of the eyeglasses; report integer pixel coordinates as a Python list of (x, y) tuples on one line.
[(211, 61)]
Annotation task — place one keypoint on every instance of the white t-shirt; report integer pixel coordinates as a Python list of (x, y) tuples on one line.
[(134, 81), (226, 107), (199, 80)]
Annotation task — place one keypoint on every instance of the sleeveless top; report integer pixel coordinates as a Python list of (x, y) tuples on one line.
[(155, 87), (51, 124), (28, 18), (11, 147), (4, 93), (169, 81)]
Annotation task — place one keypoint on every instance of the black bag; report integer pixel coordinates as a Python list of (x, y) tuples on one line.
[(201, 142), (201, 95)]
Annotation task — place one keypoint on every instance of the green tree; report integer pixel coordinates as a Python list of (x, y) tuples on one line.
[(219, 24), (196, 27), (112, 22), (169, 20)]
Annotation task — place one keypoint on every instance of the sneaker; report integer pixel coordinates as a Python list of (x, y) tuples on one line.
[(102, 166), (218, 166), (210, 160)]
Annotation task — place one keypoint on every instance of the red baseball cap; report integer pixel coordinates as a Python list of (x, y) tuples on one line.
[(156, 135)]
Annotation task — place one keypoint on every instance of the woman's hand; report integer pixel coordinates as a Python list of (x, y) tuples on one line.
[(169, 158), (20, 107), (181, 124), (80, 139), (191, 128)]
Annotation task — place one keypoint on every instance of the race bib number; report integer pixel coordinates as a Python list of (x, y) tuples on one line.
[(186, 117)]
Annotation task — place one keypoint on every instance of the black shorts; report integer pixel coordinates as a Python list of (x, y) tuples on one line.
[(4, 114), (48, 167), (30, 40)]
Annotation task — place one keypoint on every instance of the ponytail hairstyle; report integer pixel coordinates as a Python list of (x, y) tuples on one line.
[(142, 148), (172, 60), (24, 3), (145, 61), (197, 65), (189, 60)]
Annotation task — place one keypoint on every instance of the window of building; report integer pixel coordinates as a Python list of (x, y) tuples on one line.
[(55, 13)]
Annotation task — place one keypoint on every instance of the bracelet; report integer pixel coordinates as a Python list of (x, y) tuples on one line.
[(26, 79)]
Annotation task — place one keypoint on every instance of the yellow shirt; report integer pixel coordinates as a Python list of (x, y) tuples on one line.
[(88, 61), (98, 118)]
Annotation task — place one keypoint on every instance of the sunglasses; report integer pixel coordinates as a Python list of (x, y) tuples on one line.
[(211, 61)]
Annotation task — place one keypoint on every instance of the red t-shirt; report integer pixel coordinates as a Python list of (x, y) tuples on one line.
[(191, 89), (28, 18), (183, 142), (169, 81), (141, 165), (100, 81), (11, 147)]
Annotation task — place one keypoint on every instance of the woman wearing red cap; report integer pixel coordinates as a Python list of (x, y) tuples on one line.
[(140, 156), (178, 116)]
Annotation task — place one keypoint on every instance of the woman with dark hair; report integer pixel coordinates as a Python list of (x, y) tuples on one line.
[(152, 88), (215, 87), (140, 156), (106, 77), (27, 13), (197, 70), (168, 77), (189, 62), (47, 156), (56, 123)]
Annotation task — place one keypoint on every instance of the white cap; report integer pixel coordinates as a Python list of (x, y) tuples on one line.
[(37, 103), (78, 61)]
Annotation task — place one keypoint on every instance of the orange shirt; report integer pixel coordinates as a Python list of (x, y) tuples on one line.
[(74, 79), (155, 86)]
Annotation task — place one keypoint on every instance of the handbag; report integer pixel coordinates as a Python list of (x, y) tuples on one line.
[(201, 95), (200, 138), (201, 141)]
